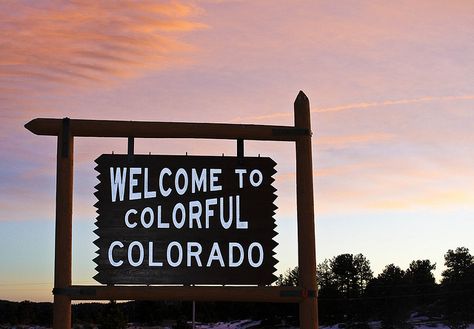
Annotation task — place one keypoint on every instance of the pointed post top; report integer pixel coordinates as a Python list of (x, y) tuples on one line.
[(301, 98), (302, 111)]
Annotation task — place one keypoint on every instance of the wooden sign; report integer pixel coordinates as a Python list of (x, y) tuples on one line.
[(185, 220)]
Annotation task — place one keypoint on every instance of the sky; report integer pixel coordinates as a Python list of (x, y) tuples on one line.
[(391, 86)]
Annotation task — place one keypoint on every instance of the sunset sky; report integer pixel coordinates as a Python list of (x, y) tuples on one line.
[(391, 85)]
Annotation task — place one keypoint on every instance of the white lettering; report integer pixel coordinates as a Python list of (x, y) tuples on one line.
[(214, 179), (233, 263), (260, 257), (164, 192), (151, 262), (140, 254), (195, 214), (194, 253), (180, 207), (209, 211), (240, 224), (180, 254), (198, 183), (215, 255), (127, 215), (181, 189), (148, 194), (226, 223), (254, 182), (241, 173), (145, 211), (134, 182), (158, 217), (111, 250), (117, 183)]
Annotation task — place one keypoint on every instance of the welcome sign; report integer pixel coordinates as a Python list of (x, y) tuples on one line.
[(185, 220)]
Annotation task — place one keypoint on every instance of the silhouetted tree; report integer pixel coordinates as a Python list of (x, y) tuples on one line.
[(342, 281), (391, 282), (351, 274), (363, 273), (392, 275), (386, 294), (324, 275), (421, 281), (289, 278), (458, 265), (327, 287), (420, 272), (329, 304), (458, 287)]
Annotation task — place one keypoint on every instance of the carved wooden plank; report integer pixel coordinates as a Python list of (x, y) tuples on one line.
[(142, 129), (185, 220)]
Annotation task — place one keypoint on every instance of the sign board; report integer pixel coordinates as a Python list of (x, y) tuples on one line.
[(185, 220)]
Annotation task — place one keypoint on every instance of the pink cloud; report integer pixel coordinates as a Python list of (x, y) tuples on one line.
[(346, 140), (358, 106), (87, 41), (392, 185), (433, 200)]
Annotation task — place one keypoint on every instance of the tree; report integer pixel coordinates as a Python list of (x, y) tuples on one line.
[(421, 281), (458, 287), (290, 278), (391, 282), (351, 274), (420, 273), (392, 275), (342, 281), (363, 273), (386, 293), (459, 264), (343, 269), (324, 276)]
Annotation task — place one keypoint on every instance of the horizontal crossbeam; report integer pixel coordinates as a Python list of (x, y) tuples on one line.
[(141, 129), (198, 293)]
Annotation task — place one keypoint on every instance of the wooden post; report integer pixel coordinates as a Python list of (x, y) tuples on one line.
[(305, 215), (63, 241)]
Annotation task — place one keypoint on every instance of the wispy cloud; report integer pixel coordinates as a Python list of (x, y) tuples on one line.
[(344, 141), (389, 185), (86, 41), (364, 105), (358, 106), (345, 169), (438, 199)]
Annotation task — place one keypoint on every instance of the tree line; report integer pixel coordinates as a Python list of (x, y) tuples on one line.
[(348, 292)]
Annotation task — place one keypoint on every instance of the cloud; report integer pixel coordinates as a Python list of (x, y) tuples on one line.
[(345, 169), (358, 106), (433, 200), (344, 141), (393, 184), (364, 105), (85, 41)]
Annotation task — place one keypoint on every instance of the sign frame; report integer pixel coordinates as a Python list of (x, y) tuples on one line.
[(66, 129)]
